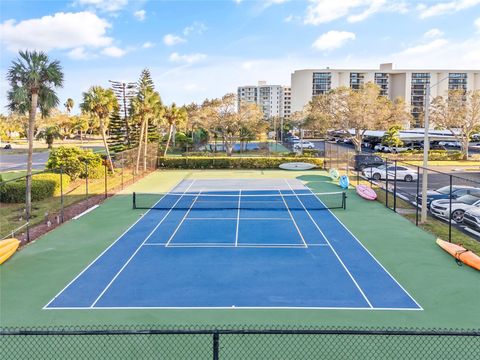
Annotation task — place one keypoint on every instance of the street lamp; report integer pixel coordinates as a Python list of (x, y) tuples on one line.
[(426, 148)]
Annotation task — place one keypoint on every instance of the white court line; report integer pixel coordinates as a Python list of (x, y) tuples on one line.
[(238, 217), (99, 308), (217, 218), (368, 251), (333, 250), (183, 219), (104, 251), (294, 222), (138, 249)]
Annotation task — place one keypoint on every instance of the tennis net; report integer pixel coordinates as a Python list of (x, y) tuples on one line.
[(264, 201)]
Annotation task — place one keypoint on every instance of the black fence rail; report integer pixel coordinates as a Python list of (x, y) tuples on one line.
[(238, 343)]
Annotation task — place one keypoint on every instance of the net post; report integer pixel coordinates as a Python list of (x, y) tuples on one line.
[(134, 203), (344, 200), (106, 185)]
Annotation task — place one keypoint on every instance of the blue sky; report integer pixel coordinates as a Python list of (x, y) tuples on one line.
[(199, 49)]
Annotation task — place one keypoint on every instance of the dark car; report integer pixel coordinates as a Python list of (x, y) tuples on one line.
[(444, 193), (362, 161)]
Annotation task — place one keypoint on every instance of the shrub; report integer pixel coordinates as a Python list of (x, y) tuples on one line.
[(43, 186), (73, 159), (231, 162)]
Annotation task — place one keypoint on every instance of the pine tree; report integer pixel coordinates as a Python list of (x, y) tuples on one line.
[(118, 134)]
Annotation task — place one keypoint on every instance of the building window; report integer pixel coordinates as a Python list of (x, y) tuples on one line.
[(381, 79), (457, 81), (420, 82), (322, 83), (357, 80)]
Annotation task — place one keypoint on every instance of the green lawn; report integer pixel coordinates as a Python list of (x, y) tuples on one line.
[(448, 293)]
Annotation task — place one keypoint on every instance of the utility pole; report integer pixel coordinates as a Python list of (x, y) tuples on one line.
[(426, 148)]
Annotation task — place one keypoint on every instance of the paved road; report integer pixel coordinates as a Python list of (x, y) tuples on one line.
[(10, 162)]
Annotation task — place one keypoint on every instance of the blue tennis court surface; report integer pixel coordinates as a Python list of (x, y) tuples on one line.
[(236, 243)]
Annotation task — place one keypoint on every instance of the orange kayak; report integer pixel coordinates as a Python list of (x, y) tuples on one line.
[(460, 253)]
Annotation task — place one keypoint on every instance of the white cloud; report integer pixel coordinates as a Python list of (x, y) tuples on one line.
[(445, 7), (333, 40), (58, 31), (197, 27), (477, 24), (140, 15), (187, 59), (172, 39), (78, 54), (104, 5), (113, 51), (433, 33), (148, 45), (324, 11), (426, 48)]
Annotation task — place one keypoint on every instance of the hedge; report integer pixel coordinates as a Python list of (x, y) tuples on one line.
[(43, 186), (232, 162)]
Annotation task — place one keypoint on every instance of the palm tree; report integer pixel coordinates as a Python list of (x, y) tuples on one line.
[(174, 116), (145, 106), (50, 133), (33, 79), (69, 105), (100, 102)]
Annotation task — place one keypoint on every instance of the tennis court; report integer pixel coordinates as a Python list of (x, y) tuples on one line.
[(242, 243)]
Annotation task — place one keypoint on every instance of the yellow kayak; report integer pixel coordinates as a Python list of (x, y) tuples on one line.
[(8, 248)]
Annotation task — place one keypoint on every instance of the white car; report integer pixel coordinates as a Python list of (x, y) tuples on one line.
[(381, 172), (379, 147), (441, 208), (450, 143), (304, 144)]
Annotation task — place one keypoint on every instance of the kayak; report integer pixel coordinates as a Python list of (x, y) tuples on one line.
[(334, 174), (344, 182), (296, 166), (8, 248), (460, 253), (366, 192)]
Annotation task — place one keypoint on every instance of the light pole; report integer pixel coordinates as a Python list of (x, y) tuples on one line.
[(426, 148)]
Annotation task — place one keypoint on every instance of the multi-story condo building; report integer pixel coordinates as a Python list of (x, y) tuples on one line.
[(410, 85), (274, 100)]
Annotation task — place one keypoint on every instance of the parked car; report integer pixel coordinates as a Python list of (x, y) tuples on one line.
[(381, 173), (450, 143), (441, 208), (379, 147), (291, 138), (362, 161), (304, 144), (471, 218), (444, 193)]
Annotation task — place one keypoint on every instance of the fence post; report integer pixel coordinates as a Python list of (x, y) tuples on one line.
[(450, 215), (122, 167), (216, 345), (386, 182), (324, 154), (416, 196), (395, 188), (106, 170), (61, 194), (86, 180)]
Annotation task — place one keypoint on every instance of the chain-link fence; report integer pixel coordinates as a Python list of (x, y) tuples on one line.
[(72, 196), (238, 343), (452, 201)]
